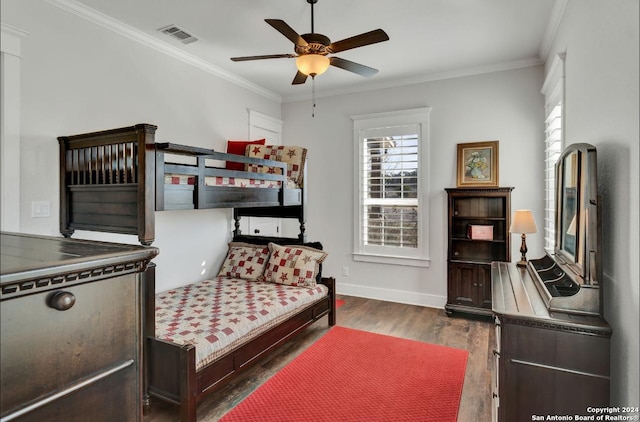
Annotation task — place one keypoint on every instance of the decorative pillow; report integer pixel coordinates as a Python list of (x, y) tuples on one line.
[(239, 148), (294, 156), (293, 265), (245, 261)]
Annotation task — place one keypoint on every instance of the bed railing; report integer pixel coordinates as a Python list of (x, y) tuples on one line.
[(102, 165), (202, 196)]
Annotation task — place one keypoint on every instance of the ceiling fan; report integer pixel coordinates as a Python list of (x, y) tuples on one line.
[(312, 50)]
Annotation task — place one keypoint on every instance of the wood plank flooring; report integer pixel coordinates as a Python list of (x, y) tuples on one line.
[(413, 322)]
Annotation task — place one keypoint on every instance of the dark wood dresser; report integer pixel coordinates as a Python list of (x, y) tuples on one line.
[(71, 315), (546, 363)]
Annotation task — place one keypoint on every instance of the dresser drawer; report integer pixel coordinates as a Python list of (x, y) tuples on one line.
[(110, 396), (44, 350)]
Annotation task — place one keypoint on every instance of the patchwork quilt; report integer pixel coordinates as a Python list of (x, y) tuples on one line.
[(177, 179), (221, 314)]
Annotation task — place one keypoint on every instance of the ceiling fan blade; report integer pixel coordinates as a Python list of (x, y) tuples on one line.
[(371, 37), (269, 56), (282, 27), (354, 67), (300, 78)]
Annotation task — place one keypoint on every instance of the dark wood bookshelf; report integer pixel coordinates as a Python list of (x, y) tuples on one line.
[(469, 253)]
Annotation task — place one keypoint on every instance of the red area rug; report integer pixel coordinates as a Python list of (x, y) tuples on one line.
[(339, 303), (351, 375)]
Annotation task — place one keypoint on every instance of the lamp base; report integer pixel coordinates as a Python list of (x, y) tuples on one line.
[(523, 251)]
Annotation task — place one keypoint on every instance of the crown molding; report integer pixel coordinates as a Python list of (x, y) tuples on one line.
[(10, 40), (13, 30), (136, 35), (432, 77), (551, 30)]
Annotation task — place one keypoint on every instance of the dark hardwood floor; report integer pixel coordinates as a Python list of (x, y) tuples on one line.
[(475, 335)]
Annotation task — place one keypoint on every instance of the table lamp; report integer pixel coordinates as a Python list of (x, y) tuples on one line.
[(523, 223)]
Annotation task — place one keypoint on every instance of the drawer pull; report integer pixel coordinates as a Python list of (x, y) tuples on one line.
[(61, 300)]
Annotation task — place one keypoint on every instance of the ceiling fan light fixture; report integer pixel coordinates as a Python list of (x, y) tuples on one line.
[(312, 64)]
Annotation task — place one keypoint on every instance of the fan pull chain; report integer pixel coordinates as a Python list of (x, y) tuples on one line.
[(313, 96)]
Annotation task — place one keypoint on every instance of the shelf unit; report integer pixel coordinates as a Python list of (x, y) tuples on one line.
[(470, 255)]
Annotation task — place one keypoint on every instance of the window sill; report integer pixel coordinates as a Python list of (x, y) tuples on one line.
[(392, 260)]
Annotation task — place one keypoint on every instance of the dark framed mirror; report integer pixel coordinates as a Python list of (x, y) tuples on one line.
[(577, 213), (569, 279)]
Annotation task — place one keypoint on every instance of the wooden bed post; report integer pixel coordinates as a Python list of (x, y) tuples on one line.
[(236, 223), (199, 199), (159, 184), (65, 230), (330, 282), (302, 218), (146, 182), (148, 281), (188, 384)]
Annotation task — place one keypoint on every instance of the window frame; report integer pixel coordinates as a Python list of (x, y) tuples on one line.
[(363, 127), (553, 90)]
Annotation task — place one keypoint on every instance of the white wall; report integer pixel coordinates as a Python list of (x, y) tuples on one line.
[(10, 128), (602, 43), (79, 77), (505, 106)]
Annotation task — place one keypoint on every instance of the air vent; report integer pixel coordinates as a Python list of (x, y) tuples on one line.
[(179, 34)]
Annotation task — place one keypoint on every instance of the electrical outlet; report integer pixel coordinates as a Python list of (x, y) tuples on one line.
[(345, 271)]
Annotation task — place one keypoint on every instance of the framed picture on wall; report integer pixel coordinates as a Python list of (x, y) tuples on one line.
[(477, 164)]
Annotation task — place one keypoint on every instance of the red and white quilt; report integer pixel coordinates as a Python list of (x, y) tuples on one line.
[(218, 315), (177, 179)]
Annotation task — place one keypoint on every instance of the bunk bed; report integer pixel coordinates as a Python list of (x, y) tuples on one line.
[(115, 180)]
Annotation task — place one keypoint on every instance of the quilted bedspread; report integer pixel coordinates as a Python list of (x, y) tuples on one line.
[(221, 314), (177, 179)]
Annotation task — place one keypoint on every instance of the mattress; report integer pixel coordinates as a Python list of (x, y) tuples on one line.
[(219, 315)]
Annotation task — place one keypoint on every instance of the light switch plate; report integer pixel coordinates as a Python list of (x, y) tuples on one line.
[(40, 209)]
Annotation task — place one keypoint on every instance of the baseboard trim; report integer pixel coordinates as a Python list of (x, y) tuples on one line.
[(390, 295)]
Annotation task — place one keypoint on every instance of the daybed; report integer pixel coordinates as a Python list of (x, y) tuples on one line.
[(191, 353), (115, 181)]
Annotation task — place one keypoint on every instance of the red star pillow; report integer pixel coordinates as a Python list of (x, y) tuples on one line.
[(293, 265), (245, 261)]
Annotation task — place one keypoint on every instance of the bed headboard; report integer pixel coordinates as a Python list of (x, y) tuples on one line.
[(265, 240), (124, 161)]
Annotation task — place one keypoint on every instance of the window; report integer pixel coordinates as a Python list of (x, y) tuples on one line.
[(391, 185), (553, 91)]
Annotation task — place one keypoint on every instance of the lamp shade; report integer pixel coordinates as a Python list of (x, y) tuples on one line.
[(312, 64), (523, 222), (572, 227)]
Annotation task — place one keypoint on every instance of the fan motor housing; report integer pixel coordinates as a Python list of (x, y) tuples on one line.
[(316, 44)]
